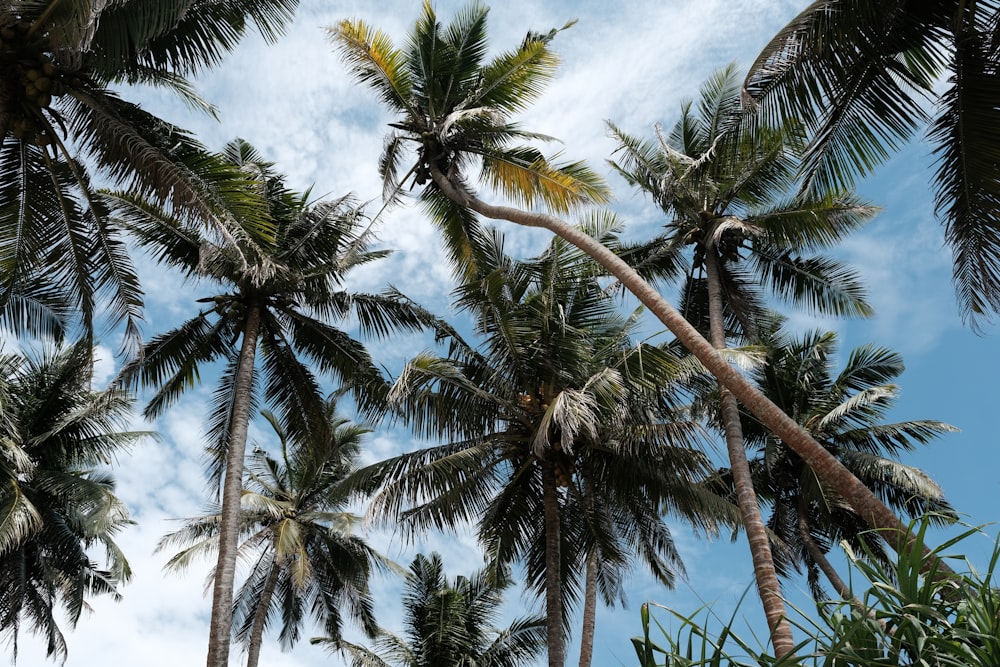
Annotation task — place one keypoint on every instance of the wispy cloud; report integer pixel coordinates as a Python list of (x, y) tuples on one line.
[(630, 62)]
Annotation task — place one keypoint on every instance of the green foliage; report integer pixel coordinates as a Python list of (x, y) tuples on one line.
[(860, 73), (296, 531), (296, 280), (557, 380), (453, 108), (845, 410), (57, 505), (450, 624), (911, 615), (727, 187), (61, 124)]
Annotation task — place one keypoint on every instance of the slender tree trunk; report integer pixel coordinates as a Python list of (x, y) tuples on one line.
[(589, 611), (768, 586), (220, 627), (553, 567), (818, 557), (872, 510), (590, 577), (260, 615)]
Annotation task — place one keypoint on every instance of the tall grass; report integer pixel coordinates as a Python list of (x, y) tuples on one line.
[(910, 616)]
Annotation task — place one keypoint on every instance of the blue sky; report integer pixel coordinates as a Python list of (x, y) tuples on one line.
[(633, 64)]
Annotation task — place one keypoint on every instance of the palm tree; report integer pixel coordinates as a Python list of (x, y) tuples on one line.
[(61, 124), (297, 534), (450, 624), (56, 502), (727, 187), (418, 80), (860, 74), (454, 109), (279, 298), (561, 439), (845, 412)]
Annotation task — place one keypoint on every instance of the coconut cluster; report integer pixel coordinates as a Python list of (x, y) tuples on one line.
[(29, 80), (563, 464)]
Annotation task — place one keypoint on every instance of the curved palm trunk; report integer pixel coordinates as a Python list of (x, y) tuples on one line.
[(260, 615), (220, 627), (589, 611), (553, 567), (872, 510), (768, 586)]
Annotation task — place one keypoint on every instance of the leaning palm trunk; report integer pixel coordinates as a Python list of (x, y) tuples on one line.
[(553, 568), (220, 627), (765, 575), (872, 510), (260, 615)]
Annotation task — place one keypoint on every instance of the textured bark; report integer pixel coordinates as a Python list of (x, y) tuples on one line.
[(553, 567), (260, 615), (220, 627), (768, 586), (872, 510), (589, 611)]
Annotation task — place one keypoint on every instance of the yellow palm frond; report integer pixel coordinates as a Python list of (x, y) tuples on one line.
[(373, 59), (561, 188), (289, 551)]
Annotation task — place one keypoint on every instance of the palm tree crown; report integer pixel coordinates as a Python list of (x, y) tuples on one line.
[(450, 624), (728, 186), (59, 118), (845, 411), (726, 183), (454, 109), (297, 533), (295, 283), (279, 296), (56, 502), (563, 443)]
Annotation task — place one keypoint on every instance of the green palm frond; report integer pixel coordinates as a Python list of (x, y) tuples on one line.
[(53, 142), (187, 38), (859, 74), (555, 376), (816, 284), (449, 622), (814, 224), (726, 183), (57, 504), (967, 187), (526, 177)]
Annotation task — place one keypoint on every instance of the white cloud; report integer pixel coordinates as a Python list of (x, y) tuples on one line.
[(630, 62)]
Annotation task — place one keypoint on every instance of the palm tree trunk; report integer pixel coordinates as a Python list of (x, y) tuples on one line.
[(818, 557), (768, 586), (553, 567), (872, 510), (260, 615), (589, 611), (220, 626)]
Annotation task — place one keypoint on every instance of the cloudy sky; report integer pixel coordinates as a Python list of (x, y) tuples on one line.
[(629, 62)]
